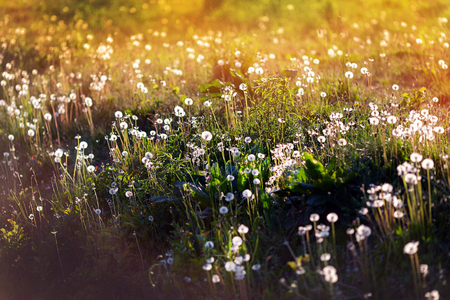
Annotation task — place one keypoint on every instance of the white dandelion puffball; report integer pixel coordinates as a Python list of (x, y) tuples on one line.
[(314, 217), (411, 248), (416, 157), (332, 217), (237, 241), (247, 193), (427, 164), (206, 135), (243, 229), (209, 245), (88, 102), (229, 197)]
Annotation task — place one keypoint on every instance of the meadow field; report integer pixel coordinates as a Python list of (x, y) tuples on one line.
[(224, 149)]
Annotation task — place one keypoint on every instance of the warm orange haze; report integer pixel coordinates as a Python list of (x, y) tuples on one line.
[(222, 149)]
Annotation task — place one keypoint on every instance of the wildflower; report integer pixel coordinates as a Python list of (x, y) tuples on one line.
[(30, 132), (342, 142), (364, 230), (331, 278), (256, 181), (388, 188), (329, 270), (411, 179), (215, 278), (251, 157), (31, 216), (243, 229), (392, 119), (395, 87), (255, 172), (374, 121), (248, 140), (247, 193), (223, 210), (427, 164), (179, 111), (188, 101), (321, 139), (438, 129), (411, 248), (230, 266), (416, 157), (98, 211), (59, 153), (325, 257), (39, 208), (256, 267), (237, 241), (332, 217), (91, 169), (206, 135), (209, 245), (229, 197), (314, 217), (348, 74), (150, 218), (398, 214), (88, 102), (48, 117), (235, 152), (207, 267), (433, 295), (11, 137), (128, 194)]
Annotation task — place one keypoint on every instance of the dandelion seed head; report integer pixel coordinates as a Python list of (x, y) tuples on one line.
[(314, 217)]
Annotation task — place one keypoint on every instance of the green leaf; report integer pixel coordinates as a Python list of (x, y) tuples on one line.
[(301, 176), (332, 165), (213, 87), (315, 168), (301, 187), (242, 179)]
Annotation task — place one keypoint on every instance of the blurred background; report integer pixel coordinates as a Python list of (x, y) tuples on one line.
[(184, 16)]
